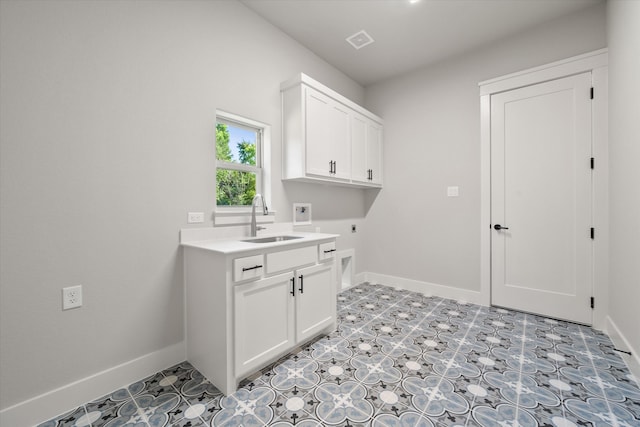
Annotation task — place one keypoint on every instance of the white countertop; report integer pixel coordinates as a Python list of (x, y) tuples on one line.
[(231, 246)]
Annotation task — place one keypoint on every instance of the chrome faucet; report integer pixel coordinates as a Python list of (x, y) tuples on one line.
[(265, 211)]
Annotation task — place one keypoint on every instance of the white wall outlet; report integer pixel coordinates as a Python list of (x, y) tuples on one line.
[(195, 217), (71, 297), (452, 192)]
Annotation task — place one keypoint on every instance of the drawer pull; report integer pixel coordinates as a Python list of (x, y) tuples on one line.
[(251, 268), (329, 251)]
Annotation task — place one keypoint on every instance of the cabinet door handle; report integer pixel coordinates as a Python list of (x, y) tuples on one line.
[(335, 168), (329, 251), (293, 286), (371, 174), (301, 277), (255, 267), (332, 167)]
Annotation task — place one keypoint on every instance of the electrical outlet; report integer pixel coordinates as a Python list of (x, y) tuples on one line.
[(71, 297), (195, 217), (353, 228)]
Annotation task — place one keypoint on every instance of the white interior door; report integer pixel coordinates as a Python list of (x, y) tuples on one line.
[(541, 258)]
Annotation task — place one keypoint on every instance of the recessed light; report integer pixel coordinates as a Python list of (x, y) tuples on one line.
[(360, 39), (414, 1)]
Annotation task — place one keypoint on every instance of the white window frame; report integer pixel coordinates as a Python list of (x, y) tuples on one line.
[(237, 215)]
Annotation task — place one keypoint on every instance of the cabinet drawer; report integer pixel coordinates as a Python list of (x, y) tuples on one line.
[(292, 259), (327, 251), (247, 268)]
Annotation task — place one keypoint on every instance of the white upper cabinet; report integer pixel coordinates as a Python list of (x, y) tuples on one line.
[(328, 138)]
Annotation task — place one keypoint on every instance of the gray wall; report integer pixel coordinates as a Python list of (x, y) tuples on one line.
[(107, 141), (432, 140), (624, 180)]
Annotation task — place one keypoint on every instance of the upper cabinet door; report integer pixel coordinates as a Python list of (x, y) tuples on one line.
[(359, 168), (339, 124), (374, 152), (327, 136), (318, 111), (366, 150)]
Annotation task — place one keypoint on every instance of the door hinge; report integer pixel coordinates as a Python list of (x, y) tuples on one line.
[(591, 94), (593, 163), (593, 302), (593, 233)]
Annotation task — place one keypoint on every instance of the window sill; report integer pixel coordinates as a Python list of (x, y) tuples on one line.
[(239, 216)]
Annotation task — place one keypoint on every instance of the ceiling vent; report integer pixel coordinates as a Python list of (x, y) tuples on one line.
[(360, 39)]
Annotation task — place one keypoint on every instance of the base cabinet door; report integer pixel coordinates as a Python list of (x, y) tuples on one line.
[(315, 300), (264, 315)]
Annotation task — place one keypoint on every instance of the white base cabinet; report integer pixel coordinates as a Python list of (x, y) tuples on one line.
[(244, 311)]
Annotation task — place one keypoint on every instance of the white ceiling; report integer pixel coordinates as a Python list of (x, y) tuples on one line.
[(407, 36)]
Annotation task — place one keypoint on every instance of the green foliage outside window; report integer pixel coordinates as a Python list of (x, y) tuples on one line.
[(234, 187)]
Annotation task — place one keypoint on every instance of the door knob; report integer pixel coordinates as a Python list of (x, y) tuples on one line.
[(499, 227)]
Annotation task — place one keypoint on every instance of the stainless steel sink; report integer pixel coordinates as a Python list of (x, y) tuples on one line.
[(272, 239)]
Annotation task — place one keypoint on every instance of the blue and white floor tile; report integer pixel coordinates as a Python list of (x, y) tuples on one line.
[(400, 358)]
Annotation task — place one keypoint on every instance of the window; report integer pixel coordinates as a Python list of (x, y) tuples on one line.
[(240, 160)]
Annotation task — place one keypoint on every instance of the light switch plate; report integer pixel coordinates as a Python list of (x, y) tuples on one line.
[(195, 217), (452, 192)]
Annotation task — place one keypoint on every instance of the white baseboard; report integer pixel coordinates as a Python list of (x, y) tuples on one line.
[(56, 402), (621, 342), (474, 297)]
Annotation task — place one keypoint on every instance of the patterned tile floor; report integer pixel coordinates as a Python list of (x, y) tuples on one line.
[(401, 359)]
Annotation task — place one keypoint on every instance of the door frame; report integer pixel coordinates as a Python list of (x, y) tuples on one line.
[(595, 62)]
